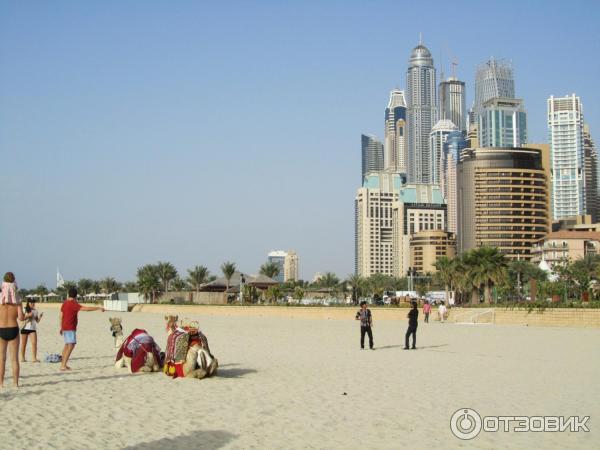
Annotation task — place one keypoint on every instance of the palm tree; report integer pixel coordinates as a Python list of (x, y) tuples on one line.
[(488, 267), (228, 269), (269, 269), (109, 285), (130, 286), (197, 277), (178, 284), (149, 281), (445, 273), (150, 286), (41, 290), (166, 273), (84, 286), (328, 280), (357, 283)]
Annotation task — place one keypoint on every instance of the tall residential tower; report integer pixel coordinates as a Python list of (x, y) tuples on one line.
[(421, 101), (395, 133), (565, 128), (372, 154), (452, 102)]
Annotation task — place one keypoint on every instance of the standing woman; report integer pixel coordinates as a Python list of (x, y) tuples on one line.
[(10, 311), (29, 330)]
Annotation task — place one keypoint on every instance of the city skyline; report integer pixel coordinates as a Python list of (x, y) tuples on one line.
[(122, 150)]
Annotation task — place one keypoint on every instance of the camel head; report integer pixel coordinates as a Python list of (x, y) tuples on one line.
[(171, 322), (115, 326)]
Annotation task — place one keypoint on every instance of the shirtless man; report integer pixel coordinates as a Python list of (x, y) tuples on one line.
[(10, 311)]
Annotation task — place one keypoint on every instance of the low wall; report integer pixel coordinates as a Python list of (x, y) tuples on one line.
[(567, 317), (198, 298)]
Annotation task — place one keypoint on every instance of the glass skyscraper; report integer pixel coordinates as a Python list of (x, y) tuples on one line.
[(502, 123), (422, 114), (372, 155), (493, 79), (454, 145), (452, 102)]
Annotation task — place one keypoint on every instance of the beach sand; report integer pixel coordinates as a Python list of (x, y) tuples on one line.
[(304, 383)]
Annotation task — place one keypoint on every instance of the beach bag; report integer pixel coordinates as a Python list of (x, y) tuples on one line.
[(52, 358)]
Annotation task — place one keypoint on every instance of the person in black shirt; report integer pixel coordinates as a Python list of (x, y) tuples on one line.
[(413, 316), (366, 322)]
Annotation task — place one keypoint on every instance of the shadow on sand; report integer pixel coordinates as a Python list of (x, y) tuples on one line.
[(209, 439), (77, 380), (233, 373), (418, 348)]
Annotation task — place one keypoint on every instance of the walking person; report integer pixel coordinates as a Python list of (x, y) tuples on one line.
[(426, 310), (413, 316), (442, 312), (68, 324), (10, 311), (366, 323), (29, 330)]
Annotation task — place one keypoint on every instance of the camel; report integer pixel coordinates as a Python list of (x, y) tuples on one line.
[(188, 353), (116, 328), (138, 353)]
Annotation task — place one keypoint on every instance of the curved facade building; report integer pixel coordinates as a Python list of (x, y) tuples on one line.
[(421, 100), (502, 199), (455, 143)]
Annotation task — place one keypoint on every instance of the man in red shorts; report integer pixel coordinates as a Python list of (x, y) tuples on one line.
[(68, 324)]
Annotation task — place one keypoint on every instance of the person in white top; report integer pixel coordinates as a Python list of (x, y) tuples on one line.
[(29, 330), (442, 311)]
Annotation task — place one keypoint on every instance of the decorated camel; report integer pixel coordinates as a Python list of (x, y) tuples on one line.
[(138, 352), (116, 328), (187, 353)]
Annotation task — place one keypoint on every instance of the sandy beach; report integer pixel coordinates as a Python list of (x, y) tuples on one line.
[(304, 383)]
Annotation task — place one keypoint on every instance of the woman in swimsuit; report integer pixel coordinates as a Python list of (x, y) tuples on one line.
[(10, 311), (29, 330)]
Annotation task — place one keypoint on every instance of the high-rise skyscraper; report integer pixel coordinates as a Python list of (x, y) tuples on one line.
[(395, 133), (277, 257), (502, 200), (290, 266), (502, 123), (565, 128), (455, 143), (372, 154), (591, 173), (437, 139), (452, 102), (493, 79), (421, 113)]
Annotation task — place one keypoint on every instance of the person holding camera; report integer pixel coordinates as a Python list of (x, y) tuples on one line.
[(366, 322), (29, 330)]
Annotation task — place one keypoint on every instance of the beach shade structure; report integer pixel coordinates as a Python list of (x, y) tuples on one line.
[(51, 294), (220, 284)]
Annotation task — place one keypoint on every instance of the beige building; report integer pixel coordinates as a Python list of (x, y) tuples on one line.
[(290, 266), (502, 200), (388, 213), (373, 223), (426, 247), (571, 245)]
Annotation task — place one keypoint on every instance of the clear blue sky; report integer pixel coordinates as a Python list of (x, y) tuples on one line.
[(197, 132)]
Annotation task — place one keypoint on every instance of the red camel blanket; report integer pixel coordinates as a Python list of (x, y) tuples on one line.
[(137, 345)]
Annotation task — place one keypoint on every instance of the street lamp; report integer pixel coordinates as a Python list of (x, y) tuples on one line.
[(242, 281)]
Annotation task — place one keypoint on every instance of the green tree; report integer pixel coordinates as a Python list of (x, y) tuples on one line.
[(149, 282), (166, 273), (130, 286), (299, 293), (197, 277), (274, 293), (358, 285), (328, 280), (269, 269), (445, 273), (178, 284), (84, 286), (109, 285), (228, 269)]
